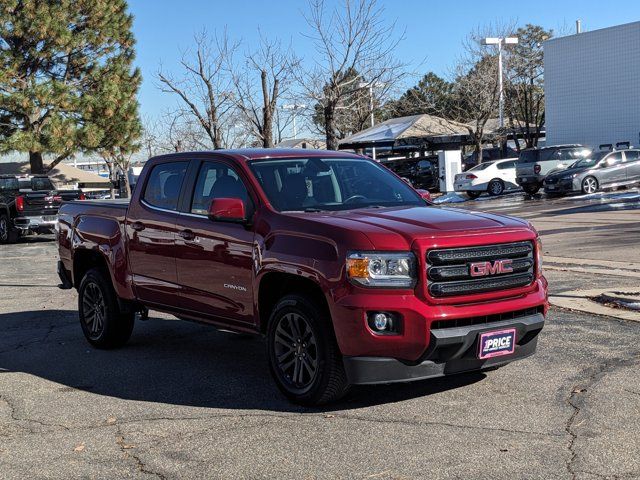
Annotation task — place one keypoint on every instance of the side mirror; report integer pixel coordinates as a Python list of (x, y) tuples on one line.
[(425, 195), (227, 210)]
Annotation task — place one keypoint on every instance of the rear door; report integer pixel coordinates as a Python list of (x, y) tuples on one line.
[(507, 172), (151, 232), (215, 258), (632, 165)]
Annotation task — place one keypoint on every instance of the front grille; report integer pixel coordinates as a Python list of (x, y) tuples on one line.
[(449, 270), (486, 319)]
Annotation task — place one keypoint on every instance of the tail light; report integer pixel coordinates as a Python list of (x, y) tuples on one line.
[(82, 196), (470, 176), (20, 203), (536, 169)]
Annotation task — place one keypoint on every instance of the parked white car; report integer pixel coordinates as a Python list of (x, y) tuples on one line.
[(495, 178)]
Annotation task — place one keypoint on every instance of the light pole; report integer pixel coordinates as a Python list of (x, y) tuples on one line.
[(500, 41), (370, 86), (294, 107)]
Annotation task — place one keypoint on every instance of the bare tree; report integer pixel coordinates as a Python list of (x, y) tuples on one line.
[(261, 80), (357, 38), (205, 89)]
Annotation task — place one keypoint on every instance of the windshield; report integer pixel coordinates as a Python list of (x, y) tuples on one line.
[(314, 184), (586, 162)]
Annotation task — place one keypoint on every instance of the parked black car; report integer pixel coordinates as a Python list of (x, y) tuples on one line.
[(422, 172), (601, 169), (30, 205)]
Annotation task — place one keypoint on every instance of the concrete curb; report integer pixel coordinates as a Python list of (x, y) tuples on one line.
[(579, 300)]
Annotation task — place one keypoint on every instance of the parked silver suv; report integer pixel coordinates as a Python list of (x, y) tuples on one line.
[(535, 163)]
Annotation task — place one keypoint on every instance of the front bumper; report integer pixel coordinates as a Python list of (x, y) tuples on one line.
[(561, 186), (451, 351), (40, 223)]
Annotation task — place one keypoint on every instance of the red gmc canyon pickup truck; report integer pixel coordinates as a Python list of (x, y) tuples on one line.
[(352, 276)]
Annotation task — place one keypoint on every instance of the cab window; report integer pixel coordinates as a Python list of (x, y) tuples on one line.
[(217, 180), (163, 187)]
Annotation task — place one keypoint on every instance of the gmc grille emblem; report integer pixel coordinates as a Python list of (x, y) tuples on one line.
[(481, 269)]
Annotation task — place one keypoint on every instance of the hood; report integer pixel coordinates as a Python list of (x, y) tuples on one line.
[(397, 228), (566, 172)]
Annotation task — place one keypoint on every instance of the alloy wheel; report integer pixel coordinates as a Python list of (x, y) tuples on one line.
[(590, 185), (296, 350), (496, 188), (94, 310)]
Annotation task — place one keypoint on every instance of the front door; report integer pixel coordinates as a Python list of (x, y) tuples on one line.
[(151, 232), (612, 170), (214, 259)]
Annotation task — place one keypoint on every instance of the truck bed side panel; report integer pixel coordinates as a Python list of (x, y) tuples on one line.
[(88, 228)]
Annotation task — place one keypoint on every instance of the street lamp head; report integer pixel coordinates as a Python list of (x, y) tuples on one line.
[(490, 41)]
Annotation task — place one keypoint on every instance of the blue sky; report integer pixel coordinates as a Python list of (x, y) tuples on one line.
[(434, 29)]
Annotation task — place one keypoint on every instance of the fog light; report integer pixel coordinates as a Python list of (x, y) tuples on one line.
[(383, 323)]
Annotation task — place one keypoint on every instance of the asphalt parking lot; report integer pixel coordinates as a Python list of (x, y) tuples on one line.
[(184, 400)]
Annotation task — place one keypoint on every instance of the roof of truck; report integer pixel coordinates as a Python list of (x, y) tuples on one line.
[(269, 153)]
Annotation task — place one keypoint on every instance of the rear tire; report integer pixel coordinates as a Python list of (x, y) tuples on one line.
[(531, 189), (495, 187), (472, 194), (103, 323), (8, 234), (304, 357), (590, 185)]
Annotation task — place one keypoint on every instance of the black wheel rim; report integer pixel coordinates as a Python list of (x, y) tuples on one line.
[(296, 350), (4, 229), (93, 310)]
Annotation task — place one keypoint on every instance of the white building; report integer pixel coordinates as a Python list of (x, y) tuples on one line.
[(592, 87)]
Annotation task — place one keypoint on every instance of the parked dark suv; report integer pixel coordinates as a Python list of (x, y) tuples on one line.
[(535, 163), (422, 172)]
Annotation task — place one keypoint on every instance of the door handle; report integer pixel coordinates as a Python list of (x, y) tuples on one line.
[(187, 234), (137, 226)]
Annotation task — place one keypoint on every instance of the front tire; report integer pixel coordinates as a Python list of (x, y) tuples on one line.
[(590, 185), (103, 323), (304, 357), (495, 187)]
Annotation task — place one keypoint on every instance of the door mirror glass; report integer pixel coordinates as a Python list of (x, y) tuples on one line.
[(227, 210)]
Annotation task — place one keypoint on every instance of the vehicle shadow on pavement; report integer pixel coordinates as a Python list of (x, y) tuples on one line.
[(171, 362)]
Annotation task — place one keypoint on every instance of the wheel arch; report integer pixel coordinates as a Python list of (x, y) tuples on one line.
[(274, 285)]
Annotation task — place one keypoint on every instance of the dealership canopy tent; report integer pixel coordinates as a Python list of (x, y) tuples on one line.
[(426, 131)]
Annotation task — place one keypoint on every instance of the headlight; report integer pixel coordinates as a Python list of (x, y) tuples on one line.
[(381, 269), (538, 257)]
